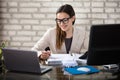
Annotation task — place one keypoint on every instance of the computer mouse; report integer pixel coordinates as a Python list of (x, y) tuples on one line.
[(85, 69)]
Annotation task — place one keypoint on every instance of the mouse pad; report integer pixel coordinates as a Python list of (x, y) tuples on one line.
[(75, 71)]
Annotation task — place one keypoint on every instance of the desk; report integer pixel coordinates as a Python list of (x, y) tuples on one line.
[(57, 73)]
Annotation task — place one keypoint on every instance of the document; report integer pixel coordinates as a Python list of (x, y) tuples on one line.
[(66, 60)]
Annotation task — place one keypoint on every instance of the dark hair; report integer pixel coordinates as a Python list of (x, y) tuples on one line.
[(67, 9), (60, 35)]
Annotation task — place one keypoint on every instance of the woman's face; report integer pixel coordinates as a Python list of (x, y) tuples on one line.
[(64, 21)]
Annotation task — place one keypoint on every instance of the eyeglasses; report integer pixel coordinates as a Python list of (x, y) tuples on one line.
[(64, 20)]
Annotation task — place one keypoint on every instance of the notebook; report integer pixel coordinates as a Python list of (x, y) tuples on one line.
[(23, 61)]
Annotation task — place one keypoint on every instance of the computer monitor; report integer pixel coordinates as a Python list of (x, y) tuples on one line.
[(104, 44)]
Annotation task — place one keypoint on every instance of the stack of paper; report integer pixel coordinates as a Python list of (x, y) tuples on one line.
[(63, 59)]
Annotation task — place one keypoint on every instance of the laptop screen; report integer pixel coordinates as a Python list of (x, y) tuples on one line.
[(104, 44)]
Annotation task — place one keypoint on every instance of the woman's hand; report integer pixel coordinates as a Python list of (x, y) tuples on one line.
[(45, 55)]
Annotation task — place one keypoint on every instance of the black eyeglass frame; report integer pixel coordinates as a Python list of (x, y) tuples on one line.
[(64, 20)]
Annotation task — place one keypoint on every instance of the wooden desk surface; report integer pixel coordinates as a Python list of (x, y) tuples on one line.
[(56, 74)]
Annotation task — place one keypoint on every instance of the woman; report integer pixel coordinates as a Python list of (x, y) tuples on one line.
[(64, 38)]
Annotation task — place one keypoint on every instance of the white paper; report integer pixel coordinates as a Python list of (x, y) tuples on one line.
[(66, 59)]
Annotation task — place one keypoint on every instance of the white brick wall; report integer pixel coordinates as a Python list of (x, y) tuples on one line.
[(23, 22)]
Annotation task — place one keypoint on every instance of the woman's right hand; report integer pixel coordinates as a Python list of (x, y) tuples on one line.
[(45, 55)]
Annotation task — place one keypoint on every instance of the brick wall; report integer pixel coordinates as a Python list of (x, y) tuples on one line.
[(23, 22)]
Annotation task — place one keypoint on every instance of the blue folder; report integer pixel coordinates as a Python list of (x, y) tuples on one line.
[(74, 71)]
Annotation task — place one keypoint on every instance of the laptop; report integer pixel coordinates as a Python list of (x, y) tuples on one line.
[(23, 61)]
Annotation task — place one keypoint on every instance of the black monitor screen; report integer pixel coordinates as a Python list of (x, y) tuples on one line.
[(104, 44)]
